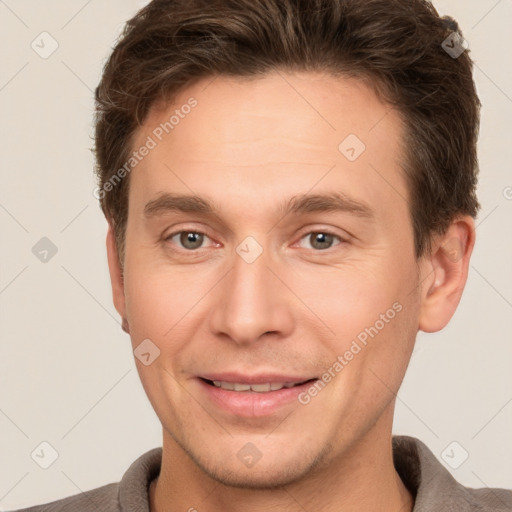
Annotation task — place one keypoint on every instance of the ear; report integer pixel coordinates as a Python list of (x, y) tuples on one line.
[(447, 270), (116, 278)]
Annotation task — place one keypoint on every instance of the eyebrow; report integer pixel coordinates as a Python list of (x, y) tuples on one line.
[(300, 204)]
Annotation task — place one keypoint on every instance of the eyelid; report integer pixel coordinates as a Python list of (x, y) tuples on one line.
[(325, 230), (306, 231), (187, 229)]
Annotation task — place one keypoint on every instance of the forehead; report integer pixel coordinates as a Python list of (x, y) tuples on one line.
[(280, 131)]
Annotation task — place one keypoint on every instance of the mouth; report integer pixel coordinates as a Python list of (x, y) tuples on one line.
[(257, 397), (265, 387)]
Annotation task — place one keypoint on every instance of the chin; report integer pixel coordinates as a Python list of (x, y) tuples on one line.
[(261, 479), (287, 466)]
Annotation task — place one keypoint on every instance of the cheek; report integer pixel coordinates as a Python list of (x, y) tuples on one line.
[(170, 304), (374, 317), (351, 297), (160, 305), (157, 301), (386, 351)]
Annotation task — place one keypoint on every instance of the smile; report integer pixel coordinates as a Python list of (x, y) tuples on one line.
[(258, 388), (263, 397)]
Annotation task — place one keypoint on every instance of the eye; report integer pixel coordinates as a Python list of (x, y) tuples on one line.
[(193, 240), (189, 240), (320, 240)]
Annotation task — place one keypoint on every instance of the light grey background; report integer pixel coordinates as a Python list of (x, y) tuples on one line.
[(67, 374)]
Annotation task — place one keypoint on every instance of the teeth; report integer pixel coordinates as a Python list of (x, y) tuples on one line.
[(241, 387), (258, 388), (261, 388)]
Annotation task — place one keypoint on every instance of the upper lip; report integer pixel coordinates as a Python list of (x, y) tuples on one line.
[(255, 379)]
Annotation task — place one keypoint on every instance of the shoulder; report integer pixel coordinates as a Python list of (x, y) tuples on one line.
[(128, 495), (492, 499), (435, 488), (103, 498)]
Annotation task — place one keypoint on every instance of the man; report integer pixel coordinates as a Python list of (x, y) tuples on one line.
[(290, 190)]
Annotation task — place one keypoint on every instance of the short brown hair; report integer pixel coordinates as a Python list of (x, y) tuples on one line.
[(394, 45)]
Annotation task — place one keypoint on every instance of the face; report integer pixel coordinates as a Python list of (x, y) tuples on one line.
[(291, 265)]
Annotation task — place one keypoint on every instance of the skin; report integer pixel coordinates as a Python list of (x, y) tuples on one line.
[(247, 146)]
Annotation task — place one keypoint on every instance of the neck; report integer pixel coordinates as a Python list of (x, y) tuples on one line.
[(362, 479)]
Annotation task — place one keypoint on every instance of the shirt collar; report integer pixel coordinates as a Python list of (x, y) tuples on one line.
[(430, 483)]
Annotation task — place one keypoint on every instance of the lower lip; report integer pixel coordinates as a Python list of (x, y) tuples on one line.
[(250, 404)]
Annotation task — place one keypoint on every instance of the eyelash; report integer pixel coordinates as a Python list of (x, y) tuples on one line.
[(201, 249)]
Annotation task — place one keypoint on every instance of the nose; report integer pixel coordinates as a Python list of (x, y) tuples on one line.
[(252, 301)]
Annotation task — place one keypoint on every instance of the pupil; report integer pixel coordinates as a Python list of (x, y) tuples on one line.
[(191, 240), (323, 240)]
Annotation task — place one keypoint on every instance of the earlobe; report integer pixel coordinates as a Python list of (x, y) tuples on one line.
[(448, 268), (125, 326), (116, 278)]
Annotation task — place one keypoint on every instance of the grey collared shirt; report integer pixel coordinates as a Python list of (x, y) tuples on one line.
[(427, 479)]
